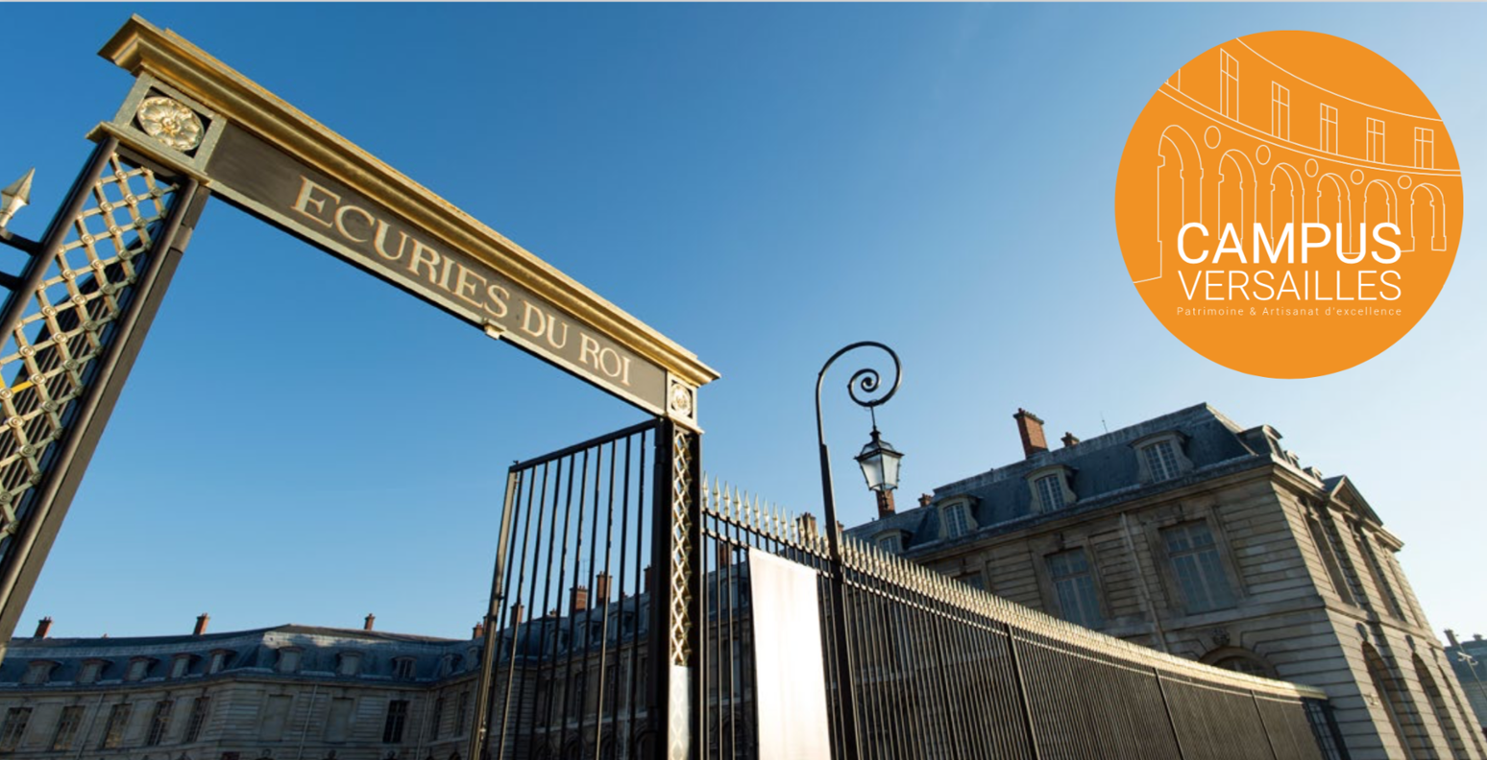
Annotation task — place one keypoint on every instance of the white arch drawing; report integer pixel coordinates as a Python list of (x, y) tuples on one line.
[(1436, 213), (1296, 198), (1344, 210), (1176, 140), (1247, 195), (1391, 205)]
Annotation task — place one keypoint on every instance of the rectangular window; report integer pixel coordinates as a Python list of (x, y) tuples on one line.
[(1329, 559), (275, 715), (893, 544), (1161, 461), (199, 709), (974, 580), (338, 722), (1375, 140), (402, 669), (1371, 558), (113, 730), (14, 728), (1280, 111), (158, 722), (1074, 584), (955, 521), (1328, 141), (67, 725), (1228, 85), (397, 717), (462, 709), (1195, 562), (1424, 148), (436, 718), (1051, 492)]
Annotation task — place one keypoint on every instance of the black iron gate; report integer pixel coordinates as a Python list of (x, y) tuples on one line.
[(586, 577)]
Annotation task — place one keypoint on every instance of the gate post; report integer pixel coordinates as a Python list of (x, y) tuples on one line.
[(676, 621), (69, 333)]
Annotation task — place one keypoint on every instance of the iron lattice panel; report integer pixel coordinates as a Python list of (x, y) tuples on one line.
[(681, 533), (48, 361)]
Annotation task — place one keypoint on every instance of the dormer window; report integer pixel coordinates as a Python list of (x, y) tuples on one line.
[(289, 658), (1050, 486), (1160, 457), (139, 667), (38, 672), (91, 671), (221, 658), (891, 541), (181, 665), (348, 663), (402, 668), (956, 517)]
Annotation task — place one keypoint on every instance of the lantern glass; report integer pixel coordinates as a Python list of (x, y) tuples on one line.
[(880, 464)]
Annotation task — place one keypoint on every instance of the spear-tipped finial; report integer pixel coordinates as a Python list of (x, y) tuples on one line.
[(15, 196)]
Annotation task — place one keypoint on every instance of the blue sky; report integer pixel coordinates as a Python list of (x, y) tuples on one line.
[(762, 183)]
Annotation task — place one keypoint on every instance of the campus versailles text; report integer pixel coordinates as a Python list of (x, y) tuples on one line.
[(1259, 283)]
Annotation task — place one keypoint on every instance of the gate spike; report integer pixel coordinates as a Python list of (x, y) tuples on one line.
[(15, 196)]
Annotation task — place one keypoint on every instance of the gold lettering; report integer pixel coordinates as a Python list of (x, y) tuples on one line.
[(625, 375), (341, 222), (382, 238), (431, 260), (529, 311), (588, 350), (604, 357), (306, 199), (552, 339), (499, 296), (444, 273), (463, 285)]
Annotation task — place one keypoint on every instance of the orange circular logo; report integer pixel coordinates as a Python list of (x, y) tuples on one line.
[(1288, 204)]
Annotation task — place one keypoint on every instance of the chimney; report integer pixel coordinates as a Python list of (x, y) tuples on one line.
[(44, 627), (201, 624), (516, 613), (1451, 637), (478, 632), (1476, 637), (1031, 430), (1070, 440), (601, 588), (580, 600), (885, 504), (807, 525), (925, 499), (367, 624), (648, 588)]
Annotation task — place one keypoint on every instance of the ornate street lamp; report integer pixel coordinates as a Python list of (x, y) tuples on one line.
[(879, 462)]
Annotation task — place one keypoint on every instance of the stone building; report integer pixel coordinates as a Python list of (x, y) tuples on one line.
[(1469, 659), (290, 692), (1197, 536)]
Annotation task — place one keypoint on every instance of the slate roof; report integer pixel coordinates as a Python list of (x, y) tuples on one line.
[(1105, 472)]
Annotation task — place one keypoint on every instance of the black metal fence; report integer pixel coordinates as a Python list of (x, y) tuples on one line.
[(588, 571)]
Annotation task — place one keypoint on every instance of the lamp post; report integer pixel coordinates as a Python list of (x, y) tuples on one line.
[(879, 462)]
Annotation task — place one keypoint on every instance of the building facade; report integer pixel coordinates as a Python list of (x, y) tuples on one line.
[(1193, 535), (1469, 658)]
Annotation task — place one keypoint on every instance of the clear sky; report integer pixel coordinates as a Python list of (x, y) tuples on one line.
[(300, 442)]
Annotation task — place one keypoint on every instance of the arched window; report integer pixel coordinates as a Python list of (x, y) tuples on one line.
[(1240, 660)]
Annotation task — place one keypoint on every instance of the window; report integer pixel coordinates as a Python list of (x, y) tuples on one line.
[(348, 663), (139, 667), (91, 670), (1328, 133), (1375, 569), (67, 725), (14, 728), (1161, 461), (397, 716), (462, 708), (955, 520), (1228, 85), (1280, 111), (180, 665), (437, 717), (220, 660), (1424, 147), (338, 722), (402, 668), (288, 659), (892, 543), (158, 723), (1200, 575), (38, 672), (1074, 585), (275, 715), (1375, 140), (199, 710), (974, 580), (1329, 559), (1050, 492), (113, 730)]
